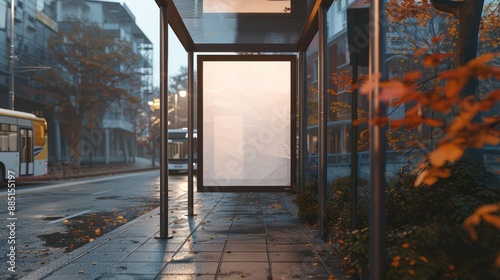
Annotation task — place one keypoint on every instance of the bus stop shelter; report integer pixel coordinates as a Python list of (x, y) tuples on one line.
[(250, 96)]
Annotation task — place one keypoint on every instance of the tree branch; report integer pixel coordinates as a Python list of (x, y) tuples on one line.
[(446, 6)]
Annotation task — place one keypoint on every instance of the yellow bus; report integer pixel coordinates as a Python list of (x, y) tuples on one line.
[(23, 144)]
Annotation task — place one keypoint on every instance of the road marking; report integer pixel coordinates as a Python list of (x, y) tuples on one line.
[(96, 193), (70, 216), (72, 190)]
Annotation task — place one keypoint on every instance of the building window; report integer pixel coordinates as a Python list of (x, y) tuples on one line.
[(3, 15), (342, 53)]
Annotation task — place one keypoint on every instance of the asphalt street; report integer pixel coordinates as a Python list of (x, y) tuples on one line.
[(53, 219)]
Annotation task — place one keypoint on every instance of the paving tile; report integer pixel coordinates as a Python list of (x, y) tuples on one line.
[(207, 238), (152, 247), (202, 247), (292, 256), (302, 247), (246, 238), (192, 268), (197, 256), (155, 256), (102, 256), (246, 247), (173, 241), (86, 268), (294, 270), (246, 270), (141, 231), (111, 247), (230, 256), (137, 268)]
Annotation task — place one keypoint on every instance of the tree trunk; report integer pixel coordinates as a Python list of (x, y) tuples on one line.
[(468, 13)]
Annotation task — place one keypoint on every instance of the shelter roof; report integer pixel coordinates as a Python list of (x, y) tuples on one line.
[(243, 25)]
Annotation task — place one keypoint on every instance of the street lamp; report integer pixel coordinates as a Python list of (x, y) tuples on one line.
[(12, 54), (150, 133), (182, 93)]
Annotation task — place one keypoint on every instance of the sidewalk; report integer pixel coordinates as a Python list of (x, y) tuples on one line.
[(231, 236)]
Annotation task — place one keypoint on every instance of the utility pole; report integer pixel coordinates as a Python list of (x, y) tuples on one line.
[(12, 55)]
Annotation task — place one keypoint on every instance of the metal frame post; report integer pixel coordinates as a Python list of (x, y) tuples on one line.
[(322, 118), (302, 117), (163, 122), (190, 132), (354, 149), (377, 146)]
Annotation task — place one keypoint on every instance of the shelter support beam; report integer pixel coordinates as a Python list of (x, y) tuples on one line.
[(302, 118), (322, 118), (163, 122), (377, 145), (190, 132)]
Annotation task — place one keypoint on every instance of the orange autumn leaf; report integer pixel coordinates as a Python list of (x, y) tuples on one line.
[(491, 140), (396, 124), (477, 216), (420, 178), (380, 121), (442, 105), (393, 90), (412, 76), (420, 52), (444, 153), (433, 122), (481, 60), (357, 122), (492, 220), (434, 60), (436, 39)]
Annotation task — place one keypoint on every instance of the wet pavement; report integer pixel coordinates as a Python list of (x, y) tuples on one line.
[(231, 236)]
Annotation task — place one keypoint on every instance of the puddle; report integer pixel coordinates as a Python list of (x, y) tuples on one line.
[(86, 228)]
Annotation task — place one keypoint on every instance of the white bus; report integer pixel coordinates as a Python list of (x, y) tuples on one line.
[(23, 144), (178, 150)]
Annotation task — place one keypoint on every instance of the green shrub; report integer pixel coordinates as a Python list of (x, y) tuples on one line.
[(425, 237), (338, 205), (306, 201)]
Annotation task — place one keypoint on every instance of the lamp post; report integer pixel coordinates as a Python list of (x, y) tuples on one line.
[(182, 93), (12, 54), (150, 134)]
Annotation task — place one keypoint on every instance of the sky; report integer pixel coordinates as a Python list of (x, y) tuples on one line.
[(147, 17)]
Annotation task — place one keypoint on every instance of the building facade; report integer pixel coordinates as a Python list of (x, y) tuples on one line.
[(114, 138)]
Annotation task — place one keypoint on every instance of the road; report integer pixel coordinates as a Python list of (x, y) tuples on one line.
[(53, 219)]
